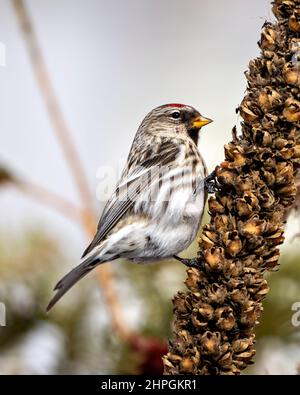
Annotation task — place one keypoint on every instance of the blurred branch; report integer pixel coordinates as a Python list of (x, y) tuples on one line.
[(5, 175), (51, 102), (105, 275), (41, 194), (49, 198)]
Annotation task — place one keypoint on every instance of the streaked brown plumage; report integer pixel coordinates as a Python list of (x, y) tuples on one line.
[(157, 207)]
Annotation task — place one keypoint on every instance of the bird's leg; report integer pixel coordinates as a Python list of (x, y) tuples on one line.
[(188, 262), (210, 183)]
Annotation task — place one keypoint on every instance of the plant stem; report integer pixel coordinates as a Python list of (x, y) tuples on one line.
[(215, 318), (49, 198), (105, 274)]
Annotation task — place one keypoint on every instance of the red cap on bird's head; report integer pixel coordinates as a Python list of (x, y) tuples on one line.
[(178, 105)]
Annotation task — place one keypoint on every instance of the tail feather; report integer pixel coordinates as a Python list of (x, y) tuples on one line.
[(71, 279)]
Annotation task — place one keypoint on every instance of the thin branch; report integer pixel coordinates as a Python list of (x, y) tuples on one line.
[(49, 198), (46, 89), (39, 193), (105, 274)]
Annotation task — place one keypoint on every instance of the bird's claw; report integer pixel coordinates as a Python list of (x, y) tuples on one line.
[(210, 183), (193, 262)]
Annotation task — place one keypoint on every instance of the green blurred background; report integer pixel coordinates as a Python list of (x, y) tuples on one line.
[(110, 63)]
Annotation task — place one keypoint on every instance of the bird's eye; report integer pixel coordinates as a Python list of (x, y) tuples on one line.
[(175, 114)]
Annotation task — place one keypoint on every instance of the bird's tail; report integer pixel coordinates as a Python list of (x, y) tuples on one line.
[(71, 278)]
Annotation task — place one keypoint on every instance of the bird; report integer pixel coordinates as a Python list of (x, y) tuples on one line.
[(156, 209)]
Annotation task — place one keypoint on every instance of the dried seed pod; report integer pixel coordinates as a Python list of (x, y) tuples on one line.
[(234, 268), (186, 365), (244, 209), (250, 314), (194, 277), (243, 183), (168, 364), (226, 201), (252, 261), (271, 262), (282, 8), (263, 137), (211, 342), (268, 38), (214, 258), (174, 358), (269, 54), (232, 243), (208, 238), (292, 110), (225, 318), (269, 99), (206, 311), (239, 161), (216, 293), (296, 151), (268, 177), (241, 345), (239, 295), (180, 303), (236, 158), (226, 177), (284, 174), (280, 143), (289, 190), (286, 153), (245, 358), (271, 67), (225, 361), (252, 227), (291, 74), (215, 206), (222, 222), (260, 293), (294, 21), (215, 320), (234, 283), (269, 120), (198, 320), (249, 112), (247, 204)]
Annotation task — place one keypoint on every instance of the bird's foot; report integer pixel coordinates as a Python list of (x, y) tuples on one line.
[(188, 262), (210, 183)]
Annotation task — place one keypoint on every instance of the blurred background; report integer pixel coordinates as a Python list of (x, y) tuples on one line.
[(108, 64)]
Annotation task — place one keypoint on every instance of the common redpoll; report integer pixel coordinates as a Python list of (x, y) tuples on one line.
[(157, 207)]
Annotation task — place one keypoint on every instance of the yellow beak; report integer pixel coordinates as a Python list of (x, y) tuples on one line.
[(198, 122)]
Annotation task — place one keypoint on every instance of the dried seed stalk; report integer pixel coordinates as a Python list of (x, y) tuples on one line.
[(215, 318)]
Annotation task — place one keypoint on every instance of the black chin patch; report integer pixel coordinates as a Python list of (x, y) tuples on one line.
[(194, 135)]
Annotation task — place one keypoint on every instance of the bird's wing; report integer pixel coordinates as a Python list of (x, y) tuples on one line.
[(135, 181)]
